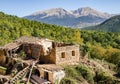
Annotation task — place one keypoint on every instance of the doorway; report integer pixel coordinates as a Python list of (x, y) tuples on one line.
[(46, 75)]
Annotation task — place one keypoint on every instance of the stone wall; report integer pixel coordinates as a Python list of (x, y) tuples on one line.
[(2, 58), (49, 59), (50, 75), (36, 51), (57, 76), (32, 50), (53, 76), (67, 54)]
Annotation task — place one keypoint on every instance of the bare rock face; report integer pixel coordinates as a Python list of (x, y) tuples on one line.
[(81, 17), (85, 11), (58, 12)]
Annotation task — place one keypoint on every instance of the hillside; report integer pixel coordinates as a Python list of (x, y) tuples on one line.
[(110, 25), (75, 18), (12, 27)]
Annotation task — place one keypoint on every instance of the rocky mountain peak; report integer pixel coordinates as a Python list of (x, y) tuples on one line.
[(85, 11), (81, 17), (59, 12)]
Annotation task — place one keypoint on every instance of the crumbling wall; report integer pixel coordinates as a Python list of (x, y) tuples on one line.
[(53, 76), (49, 59), (67, 54), (2, 58), (47, 46), (32, 50), (36, 51), (57, 76)]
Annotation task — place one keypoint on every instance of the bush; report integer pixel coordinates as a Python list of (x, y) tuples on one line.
[(84, 49), (115, 57), (22, 54), (70, 72), (103, 77), (118, 69), (86, 73), (67, 81)]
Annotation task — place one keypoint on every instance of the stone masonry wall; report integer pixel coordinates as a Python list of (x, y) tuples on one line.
[(67, 54), (49, 59)]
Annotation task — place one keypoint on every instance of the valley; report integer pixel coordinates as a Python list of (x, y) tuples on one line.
[(99, 59)]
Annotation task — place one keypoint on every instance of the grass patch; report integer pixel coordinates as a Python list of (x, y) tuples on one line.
[(67, 81)]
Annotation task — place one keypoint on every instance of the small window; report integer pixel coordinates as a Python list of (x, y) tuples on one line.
[(63, 55), (73, 53)]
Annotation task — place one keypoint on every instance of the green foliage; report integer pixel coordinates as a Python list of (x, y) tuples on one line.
[(22, 54), (103, 78), (104, 39), (118, 69), (86, 73), (110, 25), (71, 72), (99, 45), (111, 54), (84, 49), (79, 73), (67, 81), (12, 27), (115, 57)]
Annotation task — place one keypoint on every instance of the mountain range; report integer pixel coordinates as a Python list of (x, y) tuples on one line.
[(82, 17), (110, 25)]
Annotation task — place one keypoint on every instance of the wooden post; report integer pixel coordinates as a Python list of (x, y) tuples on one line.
[(33, 64)]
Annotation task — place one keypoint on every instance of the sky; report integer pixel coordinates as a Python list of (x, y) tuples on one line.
[(26, 7)]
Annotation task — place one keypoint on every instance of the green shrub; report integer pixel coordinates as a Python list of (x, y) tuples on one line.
[(70, 72), (115, 57), (103, 77), (86, 73), (67, 81), (118, 69), (22, 54)]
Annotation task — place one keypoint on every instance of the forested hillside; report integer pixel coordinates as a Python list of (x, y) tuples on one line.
[(101, 45), (110, 25), (12, 27)]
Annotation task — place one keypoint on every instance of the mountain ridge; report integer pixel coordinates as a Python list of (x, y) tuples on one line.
[(110, 25), (84, 11), (62, 17)]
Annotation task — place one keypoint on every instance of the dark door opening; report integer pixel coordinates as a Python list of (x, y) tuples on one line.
[(36, 72), (46, 75)]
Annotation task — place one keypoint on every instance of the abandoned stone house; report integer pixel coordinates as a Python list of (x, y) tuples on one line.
[(48, 53)]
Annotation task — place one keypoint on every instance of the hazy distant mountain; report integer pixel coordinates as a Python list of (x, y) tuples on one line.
[(110, 25), (81, 17), (86, 11)]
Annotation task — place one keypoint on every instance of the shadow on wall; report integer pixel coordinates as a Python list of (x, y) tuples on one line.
[(6, 62)]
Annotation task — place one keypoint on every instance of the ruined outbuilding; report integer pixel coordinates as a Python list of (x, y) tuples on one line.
[(47, 54)]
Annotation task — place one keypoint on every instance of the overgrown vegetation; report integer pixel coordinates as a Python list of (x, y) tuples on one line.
[(103, 77), (12, 27), (67, 81), (104, 39), (80, 73), (86, 73), (22, 54), (77, 74), (110, 54), (110, 25), (100, 45)]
